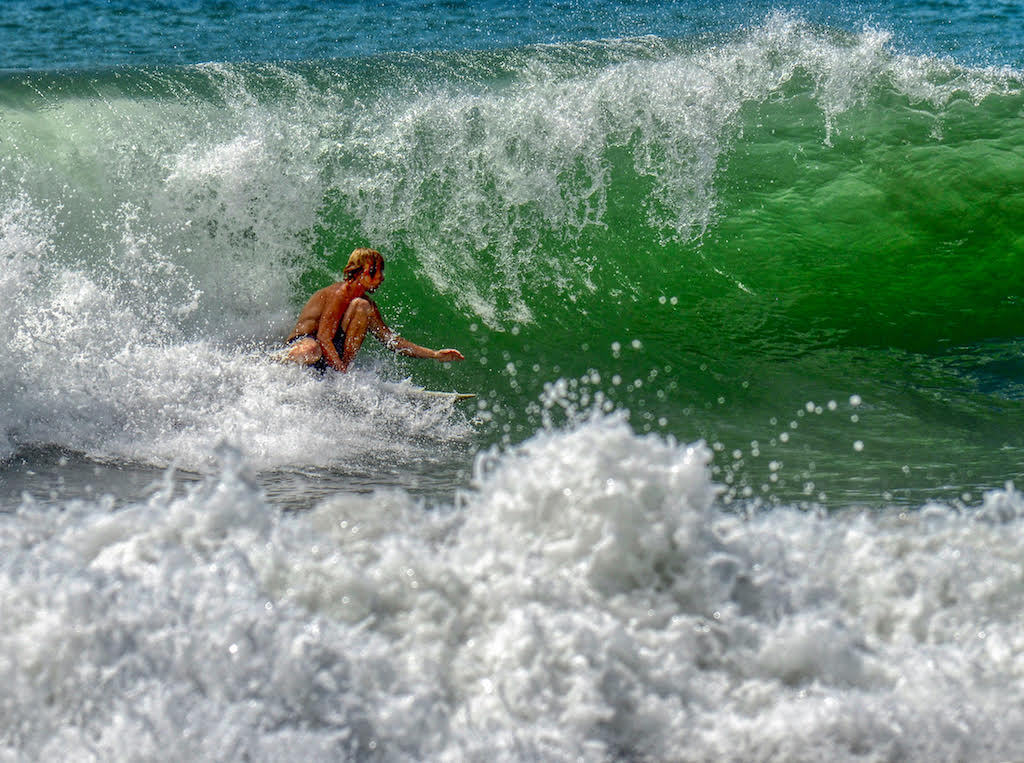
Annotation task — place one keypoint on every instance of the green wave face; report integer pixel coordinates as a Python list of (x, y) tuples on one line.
[(724, 239), (728, 238)]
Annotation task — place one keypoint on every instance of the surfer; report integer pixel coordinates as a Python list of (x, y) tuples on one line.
[(331, 327)]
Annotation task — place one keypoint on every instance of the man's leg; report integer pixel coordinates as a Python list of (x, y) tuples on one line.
[(355, 323), (305, 351)]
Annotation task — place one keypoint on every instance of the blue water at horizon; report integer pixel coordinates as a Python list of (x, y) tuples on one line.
[(87, 34)]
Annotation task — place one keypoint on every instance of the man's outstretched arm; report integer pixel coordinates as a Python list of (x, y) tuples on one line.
[(403, 346)]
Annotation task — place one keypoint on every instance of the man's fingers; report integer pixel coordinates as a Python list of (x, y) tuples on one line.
[(449, 354)]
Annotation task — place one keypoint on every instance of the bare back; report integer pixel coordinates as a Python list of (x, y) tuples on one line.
[(308, 321)]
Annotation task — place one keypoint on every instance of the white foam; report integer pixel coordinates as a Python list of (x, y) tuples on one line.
[(585, 599), (104, 357), (102, 364)]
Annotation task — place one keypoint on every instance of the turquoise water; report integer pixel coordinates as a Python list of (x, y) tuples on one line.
[(55, 34), (739, 291)]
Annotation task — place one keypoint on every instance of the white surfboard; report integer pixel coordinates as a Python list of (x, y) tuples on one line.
[(411, 390), (454, 396)]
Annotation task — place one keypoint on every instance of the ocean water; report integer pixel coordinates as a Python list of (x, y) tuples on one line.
[(740, 288)]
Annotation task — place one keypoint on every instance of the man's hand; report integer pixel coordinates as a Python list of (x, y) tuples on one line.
[(446, 356)]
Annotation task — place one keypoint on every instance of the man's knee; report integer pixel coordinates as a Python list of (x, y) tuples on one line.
[(305, 351), (360, 306), (357, 315)]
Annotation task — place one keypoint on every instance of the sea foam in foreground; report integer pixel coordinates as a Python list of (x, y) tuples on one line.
[(586, 599)]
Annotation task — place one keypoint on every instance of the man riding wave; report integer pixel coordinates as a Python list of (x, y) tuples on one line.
[(331, 327)]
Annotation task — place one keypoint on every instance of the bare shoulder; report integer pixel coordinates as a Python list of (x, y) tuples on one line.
[(336, 293), (328, 294)]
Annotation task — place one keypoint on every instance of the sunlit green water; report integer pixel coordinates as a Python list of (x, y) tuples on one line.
[(798, 236), (729, 238)]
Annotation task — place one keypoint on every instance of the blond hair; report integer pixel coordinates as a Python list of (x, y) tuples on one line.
[(361, 259)]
